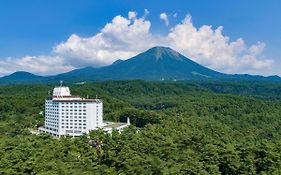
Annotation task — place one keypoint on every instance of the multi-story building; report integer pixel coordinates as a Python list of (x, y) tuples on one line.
[(71, 115)]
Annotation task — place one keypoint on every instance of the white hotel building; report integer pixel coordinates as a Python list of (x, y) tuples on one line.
[(72, 115)]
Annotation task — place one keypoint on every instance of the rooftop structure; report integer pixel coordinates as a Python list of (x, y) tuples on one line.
[(61, 92)]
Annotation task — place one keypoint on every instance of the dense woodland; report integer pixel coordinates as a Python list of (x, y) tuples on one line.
[(178, 128)]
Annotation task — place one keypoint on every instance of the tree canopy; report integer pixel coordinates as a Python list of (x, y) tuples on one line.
[(178, 128)]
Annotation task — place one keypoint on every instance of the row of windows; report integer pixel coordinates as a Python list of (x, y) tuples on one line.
[(51, 123), (84, 110), (51, 119), (51, 109), (72, 103), (72, 113), (73, 127), (53, 129), (71, 117), (51, 126), (73, 106), (51, 116), (73, 120), (51, 105), (84, 124), (52, 113)]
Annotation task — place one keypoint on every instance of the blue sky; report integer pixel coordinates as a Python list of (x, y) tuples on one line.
[(33, 28)]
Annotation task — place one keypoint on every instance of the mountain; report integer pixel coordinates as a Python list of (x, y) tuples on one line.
[(157, 63), (21, 77)]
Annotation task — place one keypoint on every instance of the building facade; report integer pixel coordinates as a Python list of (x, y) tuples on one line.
[(71, 115)]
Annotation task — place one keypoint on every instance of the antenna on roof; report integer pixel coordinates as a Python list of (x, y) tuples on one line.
[(61, 82)]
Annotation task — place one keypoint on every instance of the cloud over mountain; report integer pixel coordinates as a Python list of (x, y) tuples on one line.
[(125, 37)]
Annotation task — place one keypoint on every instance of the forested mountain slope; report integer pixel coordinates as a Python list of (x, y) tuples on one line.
[(183, 128)]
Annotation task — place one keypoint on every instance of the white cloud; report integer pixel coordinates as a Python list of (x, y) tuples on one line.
[(36, 64), (120, 39), (164, 17), (211, 48), (132, 15), (125, 37)]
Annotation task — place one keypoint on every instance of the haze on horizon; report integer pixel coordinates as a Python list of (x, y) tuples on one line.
[(51, 37)]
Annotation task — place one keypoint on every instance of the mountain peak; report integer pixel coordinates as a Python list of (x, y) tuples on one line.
[(161, 52), (22, 74)]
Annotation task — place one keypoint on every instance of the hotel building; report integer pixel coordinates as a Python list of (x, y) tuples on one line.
[(67, 115)]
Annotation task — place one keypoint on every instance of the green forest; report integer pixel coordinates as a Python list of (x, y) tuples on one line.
[(177, 128)]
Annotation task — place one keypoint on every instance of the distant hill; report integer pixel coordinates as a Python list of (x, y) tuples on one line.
[(21, 77), (157, 63)]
